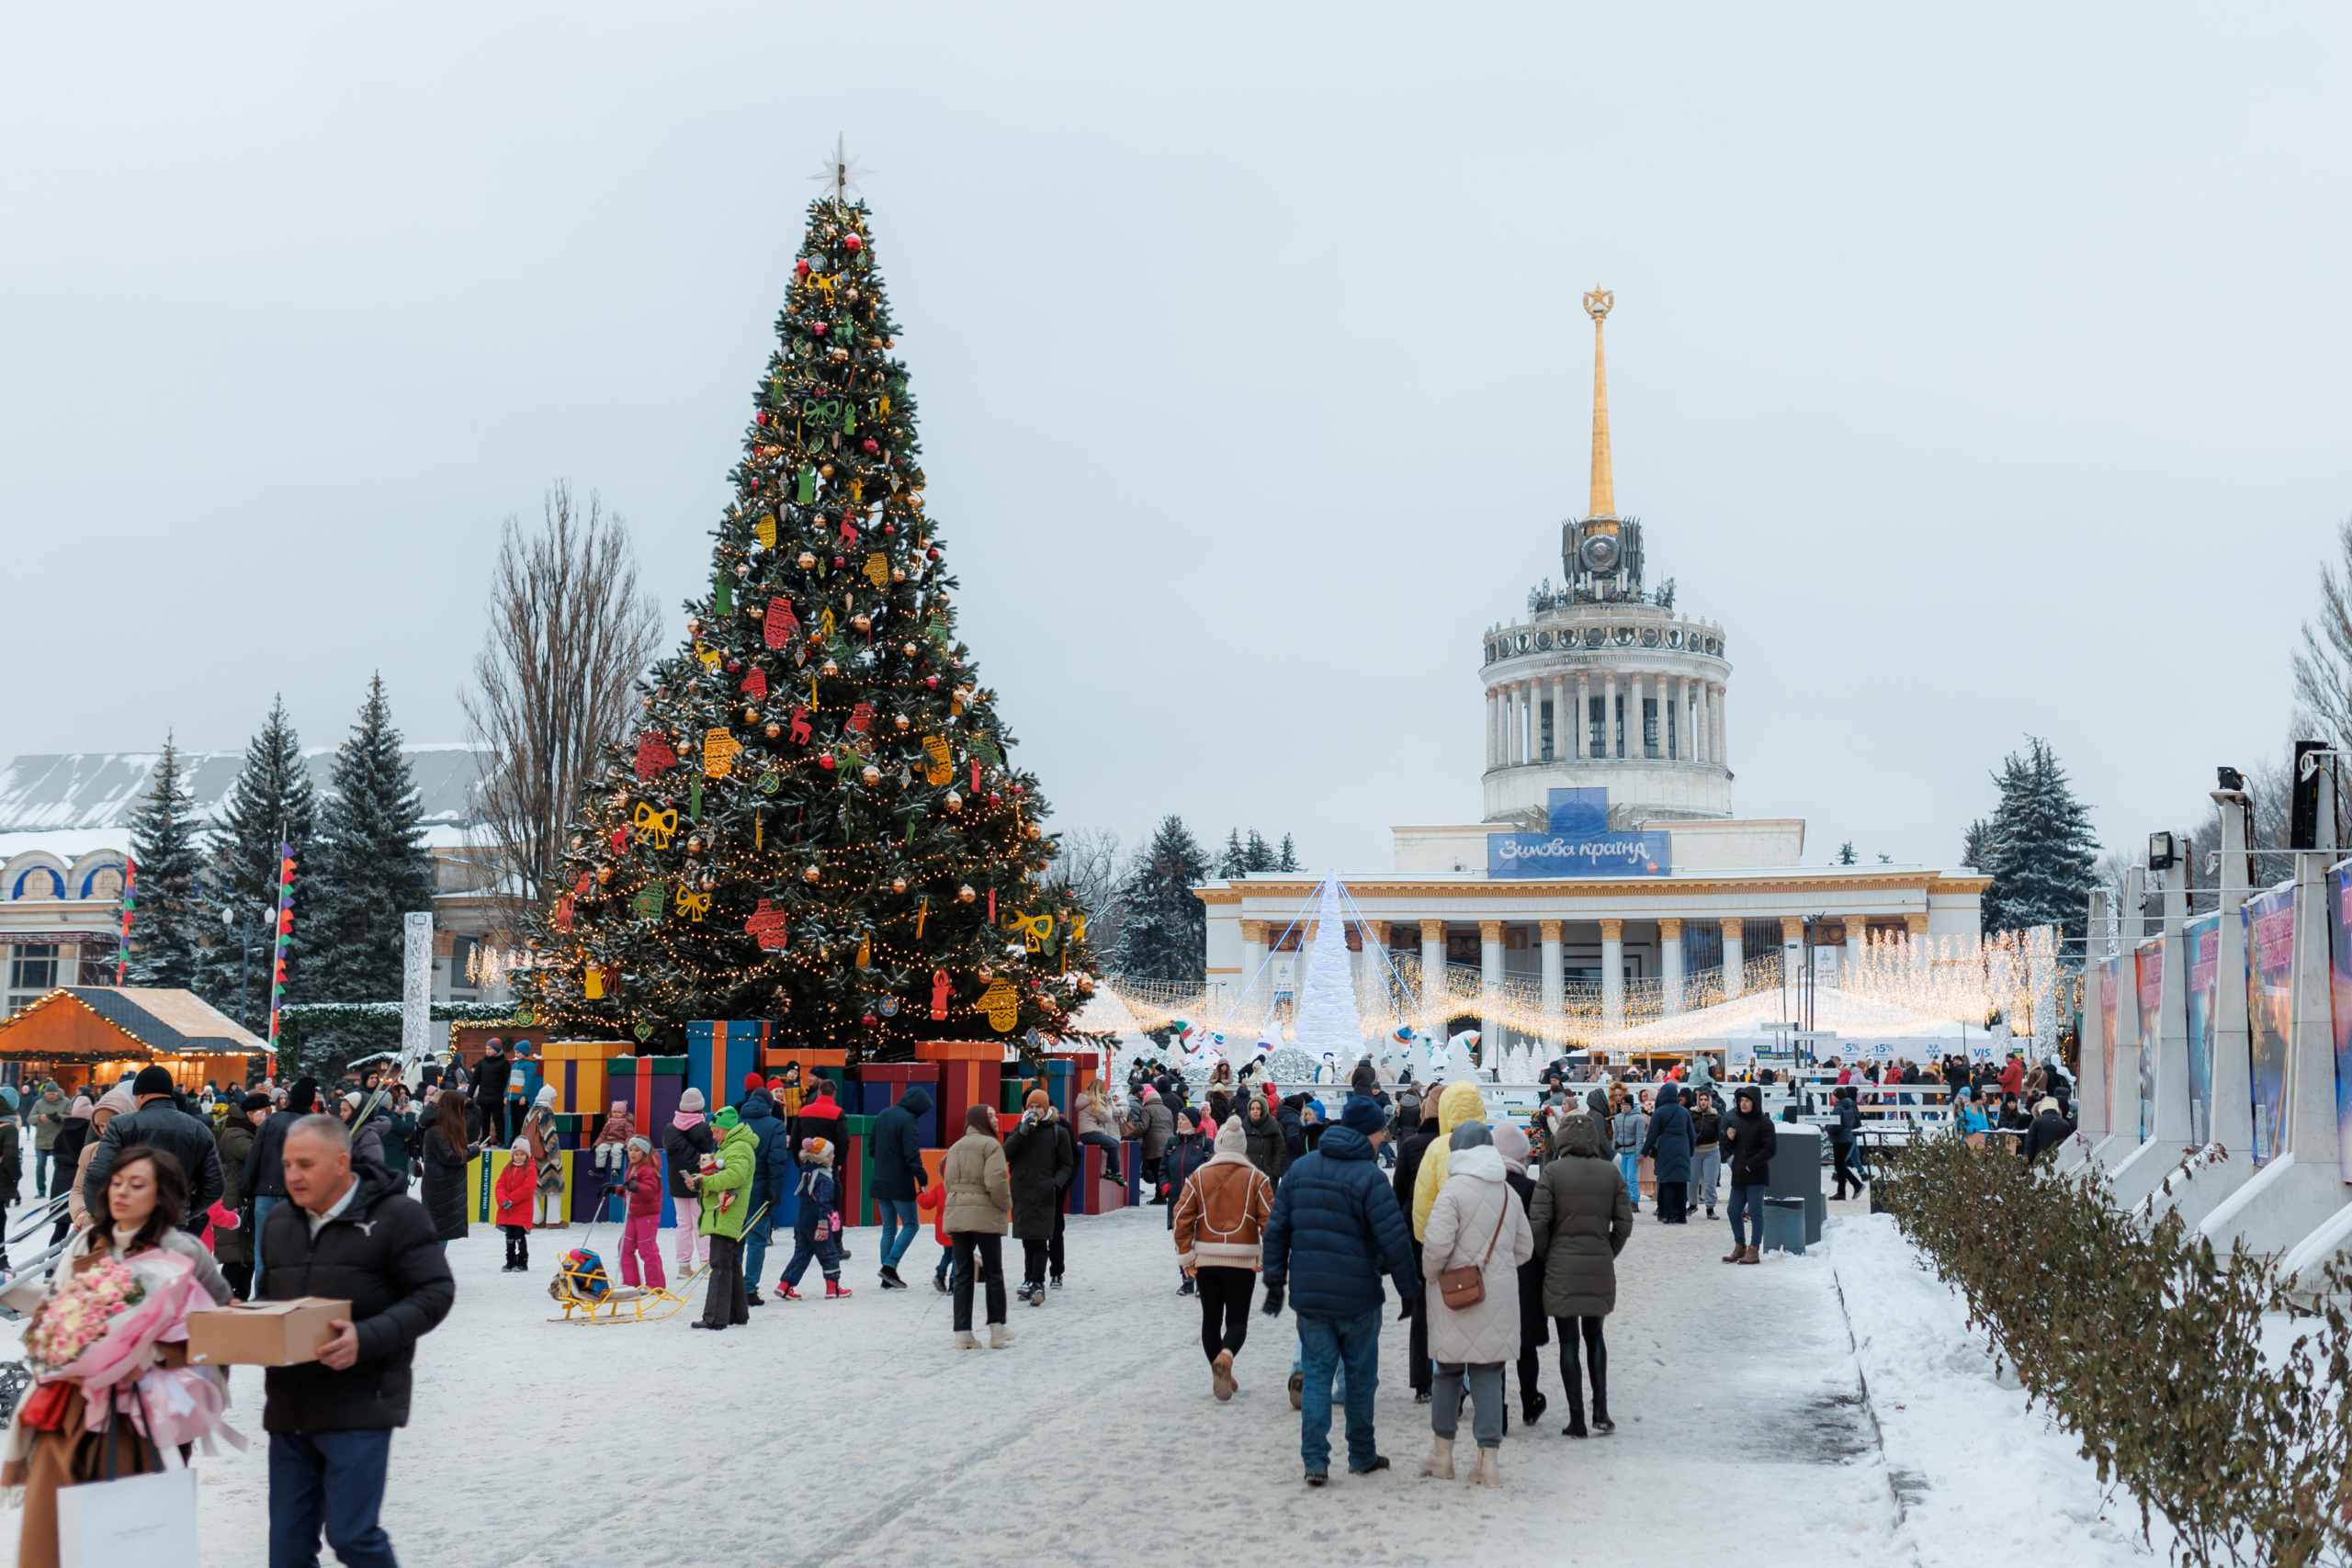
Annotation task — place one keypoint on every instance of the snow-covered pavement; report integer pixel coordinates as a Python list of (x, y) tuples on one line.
[(851, 1432)]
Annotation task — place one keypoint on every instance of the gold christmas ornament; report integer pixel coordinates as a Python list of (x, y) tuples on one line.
[(750, 715), (807, 560), (964, 895), (985, 973), (898, 574), (773, 730), (603, 874), (813, 874), (829, 668), (694, 845), (1035, 831), (908, 650), (897, 885), (953, 802), (709, 883), (861, 622), (694, 626), (871, 774), (901, 722)]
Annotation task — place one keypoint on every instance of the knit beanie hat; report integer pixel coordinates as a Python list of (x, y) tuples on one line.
[(154, 1079), (1233, 1138), (690, 1100), (546, 1095), (1038, 1099), (1511, 1142), (1471, 1135), (254, 1102), (817, 1149), (726, 1121), (637, 1145), (751, 1081), (1362, 1115), (520, 1149)]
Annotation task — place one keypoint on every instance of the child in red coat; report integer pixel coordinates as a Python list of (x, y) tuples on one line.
[(514, 1189), (933, 1201), (643, 1185)]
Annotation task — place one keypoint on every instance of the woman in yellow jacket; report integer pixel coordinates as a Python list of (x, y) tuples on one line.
[(1458, 1103)]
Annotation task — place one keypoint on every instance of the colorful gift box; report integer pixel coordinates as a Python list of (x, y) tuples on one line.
[(969, 1071), (649, 1088), (718, 1055), (1084, 1068), (577, 1069)]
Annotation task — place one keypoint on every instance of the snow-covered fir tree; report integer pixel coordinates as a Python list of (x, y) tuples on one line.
[(366, 866), (1289, 860), (271, 803), (1167, 931), (166, 930), (1235, 861), (2038, 847), (1846, 855)]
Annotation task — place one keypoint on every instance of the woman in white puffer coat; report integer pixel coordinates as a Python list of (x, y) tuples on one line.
[(1475, 1223)]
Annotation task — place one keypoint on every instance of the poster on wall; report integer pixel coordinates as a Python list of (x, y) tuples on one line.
[(2099, 1116), (2339, 950), (2148, 974), (2202, 937), (2269, 1002)]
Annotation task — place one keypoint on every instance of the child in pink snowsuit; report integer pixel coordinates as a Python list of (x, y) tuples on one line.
[(638, 1236)]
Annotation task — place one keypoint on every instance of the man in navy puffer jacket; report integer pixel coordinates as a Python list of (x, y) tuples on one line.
[(1335, 1227), (772, 1178)]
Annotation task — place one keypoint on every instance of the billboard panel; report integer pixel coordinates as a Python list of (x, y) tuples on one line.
[(2202, 937), (2148, 976), (2270, 1006)]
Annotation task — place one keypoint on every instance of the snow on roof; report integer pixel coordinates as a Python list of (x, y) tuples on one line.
[(80, 791)]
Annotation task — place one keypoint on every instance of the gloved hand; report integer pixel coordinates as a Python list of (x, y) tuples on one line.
[(1404, 1313), (1273, 1301)]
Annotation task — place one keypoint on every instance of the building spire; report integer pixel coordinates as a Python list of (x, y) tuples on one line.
[(1604, 486)]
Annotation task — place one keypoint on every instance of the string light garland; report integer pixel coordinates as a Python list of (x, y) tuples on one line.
[(793, 777)]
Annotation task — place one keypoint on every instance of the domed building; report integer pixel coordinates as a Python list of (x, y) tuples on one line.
[(1607, 875)]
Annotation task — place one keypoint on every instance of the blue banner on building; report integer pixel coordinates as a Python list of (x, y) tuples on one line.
[(1580, 844)]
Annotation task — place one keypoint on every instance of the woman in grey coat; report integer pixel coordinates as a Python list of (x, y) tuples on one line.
[(1582, 1219)]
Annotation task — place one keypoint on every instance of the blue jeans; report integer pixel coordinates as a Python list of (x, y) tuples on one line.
[(899, 1227), (1748, 1201), (1330, 1344), (1629, 1165), (334, 1480), (1339, 1377), (755, 1248), (262, 1206), (42, 1161), (829, 1258)]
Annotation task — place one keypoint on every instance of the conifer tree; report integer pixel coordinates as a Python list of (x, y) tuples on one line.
[(1166, 934), (1235, 861), (817, 821), (1289, 860), (2037, 848), (367, 868), (166, 926), (1259, 855), (271, 803)]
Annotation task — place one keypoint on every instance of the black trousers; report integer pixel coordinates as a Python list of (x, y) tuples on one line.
[(987, 1252), (1114, 1159), (1674, 1202), (1055, 1252), (724, 1302), (1032, 1260), (1596, 1355), (1422, 1372), (241, 1280), (518, 1244), (1842, 1154), (1225, 1307)]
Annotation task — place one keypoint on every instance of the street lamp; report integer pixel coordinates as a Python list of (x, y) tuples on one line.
[(231, 919)]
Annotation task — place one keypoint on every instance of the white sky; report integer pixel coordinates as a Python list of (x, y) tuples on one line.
[(1982, 372)]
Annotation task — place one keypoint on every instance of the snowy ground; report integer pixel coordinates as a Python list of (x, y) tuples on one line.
[(852, 1432)]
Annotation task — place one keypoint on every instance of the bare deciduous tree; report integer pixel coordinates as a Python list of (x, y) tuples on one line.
[(569, 632), (1090, 866)]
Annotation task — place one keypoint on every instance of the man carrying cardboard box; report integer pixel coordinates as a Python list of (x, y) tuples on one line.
[(354, 1235)]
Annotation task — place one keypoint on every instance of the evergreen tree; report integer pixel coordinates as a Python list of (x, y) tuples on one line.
[(366, 868), (1167, 931), (2037, 848), (819, 822), (1976, 844), (1290, 856), (270, 804), (1259, 855), (1846, 855), (166, 928), (1234, 861)]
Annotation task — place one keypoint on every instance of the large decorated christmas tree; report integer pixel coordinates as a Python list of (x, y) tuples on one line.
[(819, 822)]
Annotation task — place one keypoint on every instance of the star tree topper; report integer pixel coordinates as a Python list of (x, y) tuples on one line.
[(841, 171)]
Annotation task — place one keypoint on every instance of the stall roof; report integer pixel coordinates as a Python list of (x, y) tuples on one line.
[(160, 1018)]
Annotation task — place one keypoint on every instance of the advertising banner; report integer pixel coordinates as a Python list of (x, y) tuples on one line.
[(1579, 842), (2148, 974), (2098, 1119), (2270, 1008), (2202, 937), (2339, 950)]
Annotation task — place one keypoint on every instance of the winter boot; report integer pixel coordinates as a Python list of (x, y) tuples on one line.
[(836, 1290), (965, 1340), (1490, 1470), (754, 1299), (1574, 1428), (1000, 1336), (1439, 1466), (1752, 1256), (1738, 1254), (1221, 1375), (1600, 1421), (786, 1293), (1534, 1405), (890, 1280)]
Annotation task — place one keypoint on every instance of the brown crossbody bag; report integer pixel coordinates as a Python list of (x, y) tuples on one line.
[(1466, 1286)]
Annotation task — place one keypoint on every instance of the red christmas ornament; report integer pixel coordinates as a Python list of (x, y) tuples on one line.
[(838, 563), (781, 622), (801, 728), (800, 268), (849, 530), (996, 800), (766, 927), (932, 553), (761, 418), (653, 755), (851, 242), (931, 680), (734, 667), (869, 1021), (891, 529), (751, 484), (1017, 790), (826, 761), (861, 717), (871, 445), (563, 914), (755, 684), (941, 985), (619, 837)]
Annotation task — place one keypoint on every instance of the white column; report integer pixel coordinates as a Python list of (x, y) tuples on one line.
[(1519, 721), (1490, 984), (1584, 708), (1857, 929), (1559, 714), (1700, 750), (1609, 738), (1734, 957), (1612, 973), (1669, 952), (1679, 734), (1718, 737), (1494, 727), (1556, 1005), (1253, 948), (1635, 745), (1433, 973)]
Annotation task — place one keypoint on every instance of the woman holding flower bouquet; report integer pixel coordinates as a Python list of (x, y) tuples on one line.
[(107, 1344)]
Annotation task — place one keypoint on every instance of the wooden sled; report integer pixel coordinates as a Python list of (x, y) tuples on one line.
[(622, 1303)]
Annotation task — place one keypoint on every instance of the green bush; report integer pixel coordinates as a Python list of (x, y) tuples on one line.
[(2194, 1381)]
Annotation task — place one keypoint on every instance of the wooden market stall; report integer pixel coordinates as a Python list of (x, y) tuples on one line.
[(101, 1034)]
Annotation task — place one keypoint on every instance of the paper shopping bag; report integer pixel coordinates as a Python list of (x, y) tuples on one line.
[(139, 1521)]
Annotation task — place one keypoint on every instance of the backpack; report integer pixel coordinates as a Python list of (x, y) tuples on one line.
[(580, 1276)]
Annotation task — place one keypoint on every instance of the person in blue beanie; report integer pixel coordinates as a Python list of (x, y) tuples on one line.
[(1337, 1226)]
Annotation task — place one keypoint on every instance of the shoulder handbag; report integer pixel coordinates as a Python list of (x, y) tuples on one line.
[(1466, 1286)]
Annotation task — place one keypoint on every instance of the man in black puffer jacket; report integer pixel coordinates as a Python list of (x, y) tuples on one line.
[(350, 1233), (897, 1176), (159, 1124), (1417, 1135)]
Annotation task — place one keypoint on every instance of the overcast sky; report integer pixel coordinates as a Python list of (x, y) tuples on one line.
[(1984, 373)]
